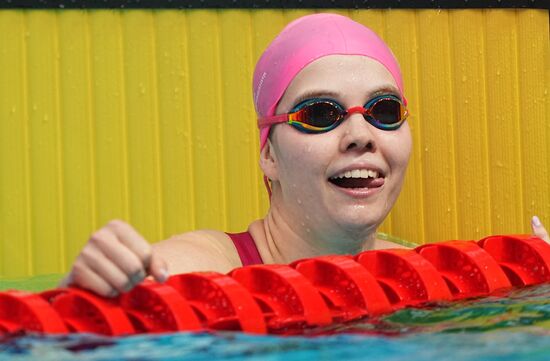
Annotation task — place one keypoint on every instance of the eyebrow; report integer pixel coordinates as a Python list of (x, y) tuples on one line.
[(316, 94), (386, 90), (332, 94)]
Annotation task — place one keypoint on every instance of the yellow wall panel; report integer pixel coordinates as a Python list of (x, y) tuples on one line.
[(208, 141), (437, 136), (77, 122), (175, 126), (109, 112), (142, 119), (503, 130), (470, 124), (45, 141), (533, 105), (15, 218), (146, 115), (241, 187)]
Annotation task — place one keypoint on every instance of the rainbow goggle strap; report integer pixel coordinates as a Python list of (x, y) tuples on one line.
[(318, 115)]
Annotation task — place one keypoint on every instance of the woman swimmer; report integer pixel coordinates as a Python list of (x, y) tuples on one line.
[(336, 167)]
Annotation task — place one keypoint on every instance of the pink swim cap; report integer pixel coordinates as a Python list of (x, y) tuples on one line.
[(305, 40)]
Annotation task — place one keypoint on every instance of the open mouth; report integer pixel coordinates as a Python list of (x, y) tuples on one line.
[(358, 178)]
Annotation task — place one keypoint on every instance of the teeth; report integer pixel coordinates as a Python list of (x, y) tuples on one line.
[(358, 173)]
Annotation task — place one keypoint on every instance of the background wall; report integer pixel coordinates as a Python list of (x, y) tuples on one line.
[(146, 115)]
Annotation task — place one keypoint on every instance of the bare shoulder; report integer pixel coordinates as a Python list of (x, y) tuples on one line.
[(204, 250)]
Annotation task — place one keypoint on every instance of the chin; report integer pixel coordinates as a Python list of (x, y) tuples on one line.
[(359, 224)]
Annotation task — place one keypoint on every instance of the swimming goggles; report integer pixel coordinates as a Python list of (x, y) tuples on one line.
[(318, 115)]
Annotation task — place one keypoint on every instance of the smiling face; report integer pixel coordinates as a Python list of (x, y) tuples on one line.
[(340, 184)]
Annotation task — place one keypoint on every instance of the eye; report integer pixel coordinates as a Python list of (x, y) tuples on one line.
[(321, 114), (387, 111), (304, 103)]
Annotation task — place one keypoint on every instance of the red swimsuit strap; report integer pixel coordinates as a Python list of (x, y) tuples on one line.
[(246, 247)]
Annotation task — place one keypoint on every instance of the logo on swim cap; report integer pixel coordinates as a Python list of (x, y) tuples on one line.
[(258, 90)]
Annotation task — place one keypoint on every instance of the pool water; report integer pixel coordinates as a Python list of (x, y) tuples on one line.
[(511, 326)]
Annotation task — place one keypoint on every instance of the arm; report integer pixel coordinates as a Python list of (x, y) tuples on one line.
[(117, 257)]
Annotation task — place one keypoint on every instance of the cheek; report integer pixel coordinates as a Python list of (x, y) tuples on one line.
[(301, 157), (398, 148)]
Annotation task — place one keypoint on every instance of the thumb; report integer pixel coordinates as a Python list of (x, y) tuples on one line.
[(158, 269), (538, 229)]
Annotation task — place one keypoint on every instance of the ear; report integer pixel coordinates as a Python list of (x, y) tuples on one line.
[(268, 161)]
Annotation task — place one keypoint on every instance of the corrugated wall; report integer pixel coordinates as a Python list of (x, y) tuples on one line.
[(146, 115)]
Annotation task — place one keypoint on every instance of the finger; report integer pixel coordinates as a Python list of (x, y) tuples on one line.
[(111, 247), (106, 269), (128, 236), (159, 269), (84, 277), (538, 229)]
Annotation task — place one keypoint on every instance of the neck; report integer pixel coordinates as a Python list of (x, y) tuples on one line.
[(282, 241)]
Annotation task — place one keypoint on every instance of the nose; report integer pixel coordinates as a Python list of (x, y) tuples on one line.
[(359, 135)]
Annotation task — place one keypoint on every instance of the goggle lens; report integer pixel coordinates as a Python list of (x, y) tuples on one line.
[(320, 114), (386, 112)]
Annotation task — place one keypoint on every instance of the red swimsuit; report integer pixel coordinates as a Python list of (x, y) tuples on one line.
[(248, 252)]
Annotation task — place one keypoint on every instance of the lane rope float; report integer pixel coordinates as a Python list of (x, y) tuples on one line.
[(287, 299)]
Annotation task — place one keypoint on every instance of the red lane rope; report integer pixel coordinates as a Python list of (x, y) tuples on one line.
[(287, 299)]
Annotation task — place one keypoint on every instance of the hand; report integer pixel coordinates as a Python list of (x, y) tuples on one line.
[(539, 230), (115, 259)]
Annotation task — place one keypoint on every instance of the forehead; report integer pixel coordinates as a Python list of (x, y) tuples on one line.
[(345, 75)]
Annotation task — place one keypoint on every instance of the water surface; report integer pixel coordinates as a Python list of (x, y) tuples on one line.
[(512, 326)]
